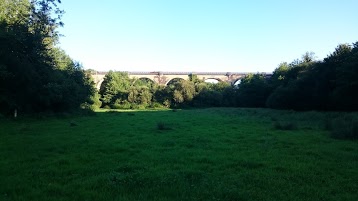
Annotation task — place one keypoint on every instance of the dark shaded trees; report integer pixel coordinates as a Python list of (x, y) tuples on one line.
[(330, 84), (253, 91), (343, 82), (292, 85), (35, 76)]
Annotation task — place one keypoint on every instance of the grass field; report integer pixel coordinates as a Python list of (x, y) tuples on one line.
[(206, 154)]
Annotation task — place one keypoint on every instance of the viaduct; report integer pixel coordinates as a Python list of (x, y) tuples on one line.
[(163, 78)]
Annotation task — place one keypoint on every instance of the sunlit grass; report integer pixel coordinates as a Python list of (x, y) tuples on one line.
[(208, 154)]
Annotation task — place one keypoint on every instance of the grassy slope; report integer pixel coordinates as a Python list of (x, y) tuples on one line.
[(208, 154)]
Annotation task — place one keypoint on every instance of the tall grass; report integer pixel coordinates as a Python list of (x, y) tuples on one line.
[(343, 127)]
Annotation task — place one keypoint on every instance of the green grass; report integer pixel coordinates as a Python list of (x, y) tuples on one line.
[(207, 154)]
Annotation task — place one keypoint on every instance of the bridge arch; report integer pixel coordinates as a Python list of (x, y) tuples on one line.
[(212, 80), (145, 80), (172, 81), (99, 84), (236, 82)]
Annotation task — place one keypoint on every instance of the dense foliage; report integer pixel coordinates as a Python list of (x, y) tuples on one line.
[(331, 84), (35, 75), (304, 84)]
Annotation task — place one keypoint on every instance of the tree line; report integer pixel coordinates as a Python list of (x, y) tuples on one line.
[(308, 84), (35, 74), (303, 84)]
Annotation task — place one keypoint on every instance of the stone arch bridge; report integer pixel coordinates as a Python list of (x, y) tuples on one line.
[(163, 78)]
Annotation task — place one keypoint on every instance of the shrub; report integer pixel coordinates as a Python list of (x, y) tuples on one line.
[(121, 105), (156, 105), (167, 103), (107, 107), (116, 106), (137, 107)]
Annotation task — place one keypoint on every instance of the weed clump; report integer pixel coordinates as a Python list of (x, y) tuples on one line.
[(163, 126), (72, 124), (345, 127)]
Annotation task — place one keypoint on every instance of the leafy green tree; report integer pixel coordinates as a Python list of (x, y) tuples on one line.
[(133, 95), (253, 91), (214, 95), (115, 87), (178, 97), (145, 96), (209, 98), (15, 11), (292, 85), (201, 87), (194, 78), (140, 95), (163, 95), (279, 75), (184, 91)]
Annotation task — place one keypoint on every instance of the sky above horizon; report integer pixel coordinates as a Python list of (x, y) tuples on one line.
[(210, 35)]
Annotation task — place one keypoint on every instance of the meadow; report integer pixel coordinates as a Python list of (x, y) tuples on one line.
[(198, 154)]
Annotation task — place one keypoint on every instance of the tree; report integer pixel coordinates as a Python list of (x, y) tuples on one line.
[(279, 75), (115, 87), (183, 91), (35, 75), (345, 61), (292, 85), (308, 57), (194, 78), (253, 91), (15, 11)]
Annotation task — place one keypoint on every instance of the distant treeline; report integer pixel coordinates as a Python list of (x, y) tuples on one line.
[(304, 84)]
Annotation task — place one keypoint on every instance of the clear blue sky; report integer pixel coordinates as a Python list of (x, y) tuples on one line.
[(203, 35)]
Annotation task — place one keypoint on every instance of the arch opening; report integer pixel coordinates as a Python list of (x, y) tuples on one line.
[(99, 84), (237, 82), (173, 81), (144, 81), (212, 80)]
